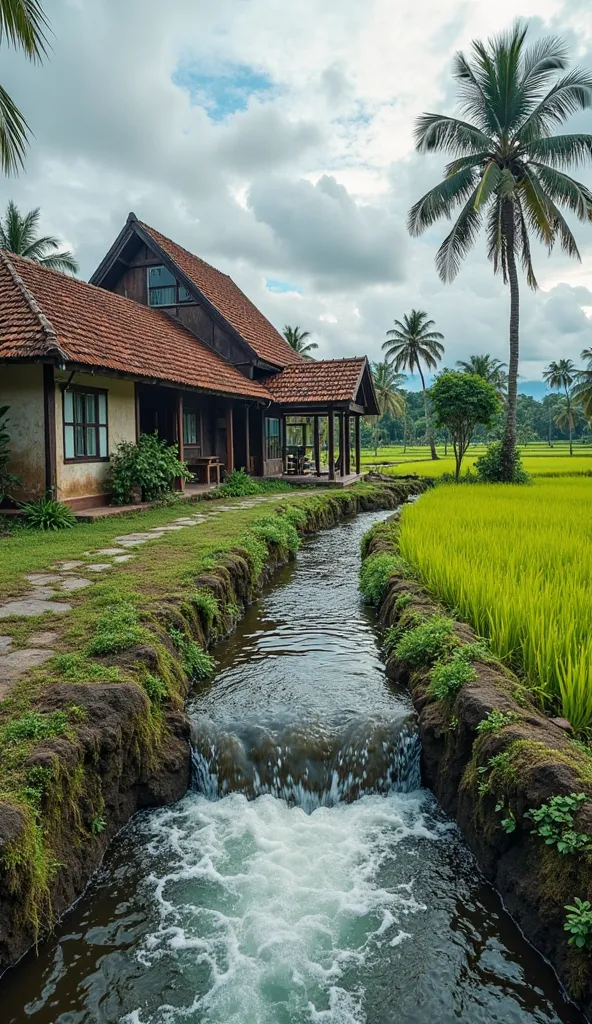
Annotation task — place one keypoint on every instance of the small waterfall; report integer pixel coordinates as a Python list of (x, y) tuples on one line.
[(307, 764)]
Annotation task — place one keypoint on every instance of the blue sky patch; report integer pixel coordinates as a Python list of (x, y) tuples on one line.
[(279, 287), (224, 91)]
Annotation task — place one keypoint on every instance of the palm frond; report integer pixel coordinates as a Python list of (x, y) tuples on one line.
[(561, 150), (536, 206), (561, 188), (542, 59), (568, 96), (23, 24), (440, 201), (434, 132), (460, 240), (472, 94), (14, 133), (66, 262), (489, 183), (523, 241)]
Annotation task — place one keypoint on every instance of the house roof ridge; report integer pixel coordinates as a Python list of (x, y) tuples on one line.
[(200, 259), (52, 340)]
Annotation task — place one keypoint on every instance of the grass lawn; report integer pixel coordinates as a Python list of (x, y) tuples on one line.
[(516, 562)]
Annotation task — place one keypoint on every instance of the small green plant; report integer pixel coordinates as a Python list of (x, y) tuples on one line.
[(447, 677), (578, 923), (238, 484), (196, 662), (403, 602), (277, 530), (47, 514), (146, 468), (33, 725), (98, 824), (375, 573), (207, 604), (489, 466), (498, 771), (117, 629), (295, 515), (155, 688), (496, 720), (426, 642), (508, 823), (75, 668), (554, 823)]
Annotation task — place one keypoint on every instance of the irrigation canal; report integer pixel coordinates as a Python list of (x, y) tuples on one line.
[(307, 877)]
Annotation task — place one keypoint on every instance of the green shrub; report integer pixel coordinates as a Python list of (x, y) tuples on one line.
[(489, 466), (149, 466), (207, 604), (118, 628), (426, 642), (555, 820), (76, 668), (47, 514), (375, 573), (238, 484), (447, 677), (579, 923), (496, 720), (155, 688), (196, 662), (278, 530), (295, 515), (98, 824), (33, 725)]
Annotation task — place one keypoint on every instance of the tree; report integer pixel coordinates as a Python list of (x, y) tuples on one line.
[(411, 342), (19, 234), (386, 385), (461, 401), (563, 374), (505, 167), (492, 370), (23, 25), (297, 340), (582, 392)]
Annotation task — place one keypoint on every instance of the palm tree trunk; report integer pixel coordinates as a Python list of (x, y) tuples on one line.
[(569, 419), (509, 441), (429, 433)]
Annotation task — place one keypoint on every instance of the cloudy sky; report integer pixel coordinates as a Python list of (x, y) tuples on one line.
[(274, 139)]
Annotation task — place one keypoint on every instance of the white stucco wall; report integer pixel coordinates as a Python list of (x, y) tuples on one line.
[(86, 479), (21, 388)]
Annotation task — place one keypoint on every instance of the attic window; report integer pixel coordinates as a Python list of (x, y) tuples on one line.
[(164, 289)]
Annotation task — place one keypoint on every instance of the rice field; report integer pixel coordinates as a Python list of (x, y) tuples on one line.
[(516, 562), (536, 465)]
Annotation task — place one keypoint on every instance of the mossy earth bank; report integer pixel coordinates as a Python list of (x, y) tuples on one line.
[(99, 731), (518, 785)]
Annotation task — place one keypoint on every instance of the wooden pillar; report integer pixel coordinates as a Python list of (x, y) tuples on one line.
[(263, 442), (229, 438), (331, 426), (347, 444), (341, 445), (180, 482), (137, 408), (317, 446), (49, 423), (247, 441), (358, 447), (283, 441)]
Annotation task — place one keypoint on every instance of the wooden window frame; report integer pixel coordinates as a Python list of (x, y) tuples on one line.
[(177, 285), (273, 437), (82, 389)]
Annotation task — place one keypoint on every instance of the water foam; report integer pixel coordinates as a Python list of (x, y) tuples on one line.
[(270, 914)]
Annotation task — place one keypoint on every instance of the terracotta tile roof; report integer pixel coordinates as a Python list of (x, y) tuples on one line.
[(43, 313), (231, 302), (324, 380)]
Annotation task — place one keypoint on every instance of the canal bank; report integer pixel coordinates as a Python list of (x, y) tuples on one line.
[(304, 903)]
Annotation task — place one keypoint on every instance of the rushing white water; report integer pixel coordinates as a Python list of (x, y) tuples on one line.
[(275, 911)]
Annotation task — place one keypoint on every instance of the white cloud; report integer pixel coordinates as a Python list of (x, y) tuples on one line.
[(307, 181)]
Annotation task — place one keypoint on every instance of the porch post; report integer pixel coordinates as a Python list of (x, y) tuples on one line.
[(283, 441), (317, 446), (247, 441), (347, 444), (263, 442), (341, 445), (358, 449), (331, 426), (229, 438), (137, 409), (180, 434), (49, 424)]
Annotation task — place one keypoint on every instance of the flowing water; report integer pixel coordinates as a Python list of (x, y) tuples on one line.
[(307, 877)]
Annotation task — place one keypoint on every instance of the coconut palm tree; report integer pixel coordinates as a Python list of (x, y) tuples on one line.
[(297, 340), (411, 342), (22, 25), (491, 370), (505, 169), (563, 374), (19, 234), (386, 385), (582, 391)]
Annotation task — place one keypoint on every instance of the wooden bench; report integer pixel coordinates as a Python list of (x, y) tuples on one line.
[(205, 465)]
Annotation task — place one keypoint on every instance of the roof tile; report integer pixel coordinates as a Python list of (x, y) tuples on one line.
[(323, 380)]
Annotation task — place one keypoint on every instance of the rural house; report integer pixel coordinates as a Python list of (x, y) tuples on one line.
[(160, 341)]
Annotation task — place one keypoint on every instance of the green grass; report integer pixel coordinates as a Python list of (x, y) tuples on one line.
[(516, 562), (538, 460)]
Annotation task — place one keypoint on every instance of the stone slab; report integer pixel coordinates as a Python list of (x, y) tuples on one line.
[(122, 558), (42, 579), (73, 583), (109, 551), (42, 593), (31, 606), (15, 664), (68, 566), (5, 642), (132, 537), (99, 567), (45, 639)]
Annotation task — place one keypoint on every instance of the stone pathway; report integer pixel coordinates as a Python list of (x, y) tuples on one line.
[(69, 576)]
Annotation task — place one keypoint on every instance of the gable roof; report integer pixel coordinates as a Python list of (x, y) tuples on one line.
[(229, 300), (324, 382), (48, 315)]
